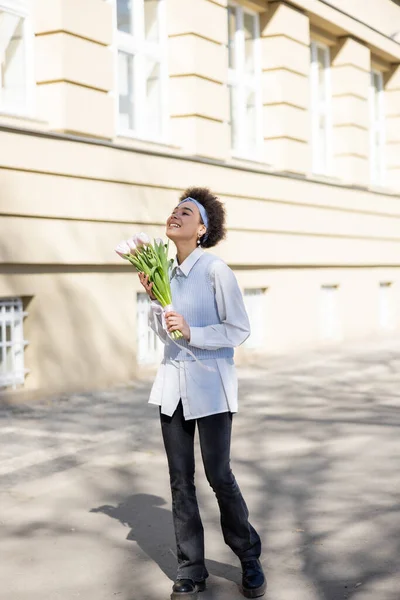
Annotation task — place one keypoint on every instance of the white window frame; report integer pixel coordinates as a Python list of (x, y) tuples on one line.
[(21, 8), (14, 319), (149, 346), (387, 316), (321, 166), (257, 317), (240, 81), (377, 125), (330, 324), (136, 46)]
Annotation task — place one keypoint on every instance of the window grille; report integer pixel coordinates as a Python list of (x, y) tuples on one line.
[(12, 343)]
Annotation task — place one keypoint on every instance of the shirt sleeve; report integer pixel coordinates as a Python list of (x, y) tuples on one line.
[(234, 328), (155, 320)]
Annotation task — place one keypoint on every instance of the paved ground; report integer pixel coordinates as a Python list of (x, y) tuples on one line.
[(85, 506)]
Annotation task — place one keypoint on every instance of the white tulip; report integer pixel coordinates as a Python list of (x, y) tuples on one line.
[(132, 245), (122, 249), (141, 238)]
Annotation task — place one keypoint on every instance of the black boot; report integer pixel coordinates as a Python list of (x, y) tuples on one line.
[(187, 588), (253, 580)]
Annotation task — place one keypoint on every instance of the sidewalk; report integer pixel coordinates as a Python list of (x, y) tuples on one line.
[(85, 503)]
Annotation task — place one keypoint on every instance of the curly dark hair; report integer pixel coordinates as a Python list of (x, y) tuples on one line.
[(215, 211)]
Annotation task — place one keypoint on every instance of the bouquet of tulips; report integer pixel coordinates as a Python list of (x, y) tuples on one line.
[(151, 259)]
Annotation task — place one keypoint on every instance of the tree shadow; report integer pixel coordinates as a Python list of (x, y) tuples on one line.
[(328, 473), (315, 449), (151, 527)]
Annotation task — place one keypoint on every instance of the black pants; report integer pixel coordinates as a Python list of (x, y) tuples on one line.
[(215, 439)]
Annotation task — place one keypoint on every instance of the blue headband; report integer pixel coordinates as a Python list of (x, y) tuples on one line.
[(202, 212)]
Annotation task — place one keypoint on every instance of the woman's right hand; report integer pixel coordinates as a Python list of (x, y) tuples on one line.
[(144, 280)]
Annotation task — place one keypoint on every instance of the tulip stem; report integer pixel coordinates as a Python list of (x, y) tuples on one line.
[(154, 262)]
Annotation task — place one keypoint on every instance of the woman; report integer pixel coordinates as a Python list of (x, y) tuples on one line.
[(197, 383)]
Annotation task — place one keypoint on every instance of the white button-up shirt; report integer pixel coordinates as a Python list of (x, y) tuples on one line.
[(203, 391)]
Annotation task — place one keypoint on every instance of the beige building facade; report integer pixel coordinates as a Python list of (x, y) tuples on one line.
[(288, 110)]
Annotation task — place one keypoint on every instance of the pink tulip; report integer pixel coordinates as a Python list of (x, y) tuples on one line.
[(122, 249), (140, 239), (132, 245)]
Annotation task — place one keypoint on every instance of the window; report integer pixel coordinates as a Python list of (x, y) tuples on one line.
[(16, 72), (142, 69), (244, 81), (12, 342), (386, 306), (149, 346), (321, 113), (254, 300), (377, 128), (330, 326)]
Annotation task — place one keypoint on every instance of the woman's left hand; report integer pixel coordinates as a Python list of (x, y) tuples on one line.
[(175, 322)]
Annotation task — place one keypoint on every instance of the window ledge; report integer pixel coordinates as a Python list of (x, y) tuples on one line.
[(250, 160), (325, 178), (20, 120), (366, 187), (141, 143), (377, 187)]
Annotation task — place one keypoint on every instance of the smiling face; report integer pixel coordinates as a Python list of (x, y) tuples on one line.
[(185, 223)]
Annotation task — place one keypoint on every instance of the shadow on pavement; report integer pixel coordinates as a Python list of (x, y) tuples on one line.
[(316, 452), (152, 529)]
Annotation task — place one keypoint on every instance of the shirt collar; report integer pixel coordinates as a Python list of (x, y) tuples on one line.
[(188, 263)]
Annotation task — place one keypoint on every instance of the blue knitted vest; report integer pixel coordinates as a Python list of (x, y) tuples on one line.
[(194, 298)]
